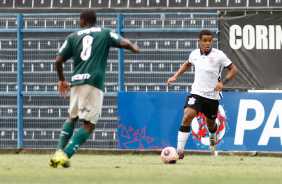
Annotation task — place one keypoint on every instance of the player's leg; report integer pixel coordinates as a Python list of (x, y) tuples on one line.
[(192, 107), (212, 127), (211, 115), (66, 132), (65, 135), (80, 137), (77, 140), (67, 128), (184, 130), (89, 109)]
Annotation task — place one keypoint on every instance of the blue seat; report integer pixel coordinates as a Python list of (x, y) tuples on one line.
[(33, 23), (167, 44), (153, 23), (132, 23), (148, 44), (173, 23), (187, 44)]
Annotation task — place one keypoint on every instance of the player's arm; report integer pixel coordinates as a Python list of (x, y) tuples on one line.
[(232, 72), (182, 69), (63, 87), (126, 44)]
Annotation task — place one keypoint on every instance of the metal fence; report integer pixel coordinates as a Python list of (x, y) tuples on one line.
[(31, 111)]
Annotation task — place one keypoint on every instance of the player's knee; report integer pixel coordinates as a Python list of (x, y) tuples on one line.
[(72, 120), (88, 126), (187, 117)]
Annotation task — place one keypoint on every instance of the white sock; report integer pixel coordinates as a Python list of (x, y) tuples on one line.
[(181, 141), (212, 135)]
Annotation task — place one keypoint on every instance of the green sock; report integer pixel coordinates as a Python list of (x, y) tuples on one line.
[(65, 135), (76, 141)]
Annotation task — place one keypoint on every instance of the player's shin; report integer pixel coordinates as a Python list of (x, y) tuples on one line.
[(213, 139), (183, 135), (213, 132), (65, 135), (76, 141)]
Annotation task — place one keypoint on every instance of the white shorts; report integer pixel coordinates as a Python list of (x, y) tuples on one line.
[(86, 102)]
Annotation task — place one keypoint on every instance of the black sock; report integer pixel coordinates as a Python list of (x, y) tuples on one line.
[(214, 130), (184, 128)]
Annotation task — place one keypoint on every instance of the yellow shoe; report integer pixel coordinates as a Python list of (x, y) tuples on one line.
[(59, 158), (52, 162)]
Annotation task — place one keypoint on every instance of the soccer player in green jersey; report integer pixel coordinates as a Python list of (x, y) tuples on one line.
[(89, 48)]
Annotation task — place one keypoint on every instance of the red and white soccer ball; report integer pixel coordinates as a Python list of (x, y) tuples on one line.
[(169, 155)]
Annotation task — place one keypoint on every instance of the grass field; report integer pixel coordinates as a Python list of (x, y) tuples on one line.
[(128, 169)]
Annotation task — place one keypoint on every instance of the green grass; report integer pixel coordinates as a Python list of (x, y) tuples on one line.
[(128, 169)]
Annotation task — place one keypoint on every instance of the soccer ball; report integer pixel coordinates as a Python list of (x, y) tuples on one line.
[(169, 155)]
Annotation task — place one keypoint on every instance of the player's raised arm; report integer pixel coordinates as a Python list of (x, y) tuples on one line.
[(126, 44), (182, 69)]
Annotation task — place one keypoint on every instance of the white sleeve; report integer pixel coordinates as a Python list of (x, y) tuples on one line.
[(225, 60), (190, 60)]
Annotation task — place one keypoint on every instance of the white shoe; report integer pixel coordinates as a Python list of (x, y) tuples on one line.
[(213, 142)]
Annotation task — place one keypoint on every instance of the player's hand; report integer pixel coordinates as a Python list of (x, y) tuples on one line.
[(63, 89), (172, 79), (136, 48), (218, 86)]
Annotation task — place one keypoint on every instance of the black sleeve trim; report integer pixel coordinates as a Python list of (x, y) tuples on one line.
[(228, 65)]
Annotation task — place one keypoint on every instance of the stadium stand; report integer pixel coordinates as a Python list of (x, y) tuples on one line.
[(123, 6), (162, 53)]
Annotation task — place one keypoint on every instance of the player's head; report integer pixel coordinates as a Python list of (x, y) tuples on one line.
[(87, 18), (205, 32), (205, 40)]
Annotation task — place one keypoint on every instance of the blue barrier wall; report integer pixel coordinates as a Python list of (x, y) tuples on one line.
[(247, 121)]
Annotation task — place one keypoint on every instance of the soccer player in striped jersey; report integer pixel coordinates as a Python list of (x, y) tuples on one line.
[(206, 89), (89, 47)]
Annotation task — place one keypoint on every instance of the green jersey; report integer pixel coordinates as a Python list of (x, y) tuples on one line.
[(89, 48)]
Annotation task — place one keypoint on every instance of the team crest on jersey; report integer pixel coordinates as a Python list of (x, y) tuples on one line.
[(211, 60), (191, 101)]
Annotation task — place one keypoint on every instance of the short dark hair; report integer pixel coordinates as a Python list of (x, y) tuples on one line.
[(89, 16), (205, 32)]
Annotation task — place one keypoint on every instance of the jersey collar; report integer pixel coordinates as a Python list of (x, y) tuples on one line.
[(205, 54)]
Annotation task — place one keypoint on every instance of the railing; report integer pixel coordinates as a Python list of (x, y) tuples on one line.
[(141, 4), (31, 111)]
